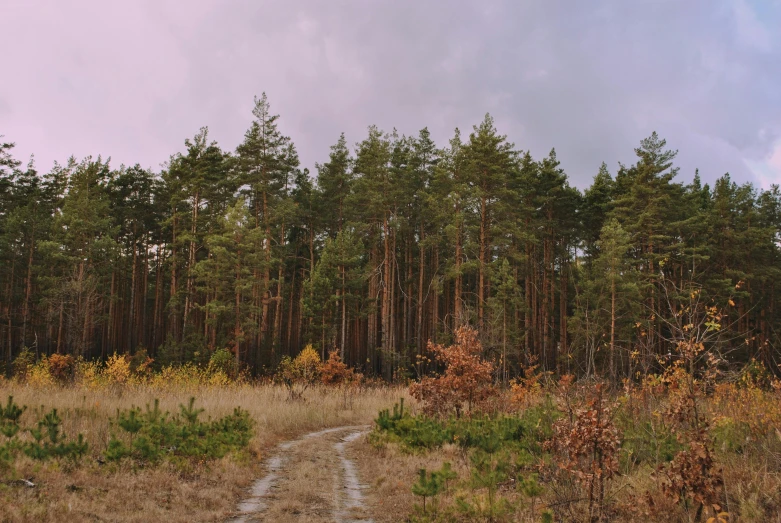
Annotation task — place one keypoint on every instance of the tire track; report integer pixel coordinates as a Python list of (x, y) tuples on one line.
[(309, 479)]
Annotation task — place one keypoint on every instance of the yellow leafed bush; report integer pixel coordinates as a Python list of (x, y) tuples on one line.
[(89, 374), (117, 370), (40, 375)]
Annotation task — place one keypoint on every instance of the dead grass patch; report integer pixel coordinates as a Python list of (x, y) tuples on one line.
[(192, 491)]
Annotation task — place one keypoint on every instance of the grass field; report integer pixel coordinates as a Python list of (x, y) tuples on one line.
[(94, 490), (671, 448)]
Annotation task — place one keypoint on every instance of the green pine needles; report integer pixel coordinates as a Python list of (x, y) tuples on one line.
[(41, 442), (501, 453), (430, 484), (147, 436), (152, 436)]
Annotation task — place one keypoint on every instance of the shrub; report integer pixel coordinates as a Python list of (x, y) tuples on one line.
[(140, 363), (526, 388), (300, 373), (334, 371), (61, 367), (465, 387), (48, 441), (223, 362), (117, 370), (586, 445), (184, 376), (154, 435), (23, 364), (40, 374), (524, 433), (88, 374), (754, 375), (692, 475)]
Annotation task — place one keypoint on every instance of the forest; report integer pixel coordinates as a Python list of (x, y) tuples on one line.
[(390, 244)]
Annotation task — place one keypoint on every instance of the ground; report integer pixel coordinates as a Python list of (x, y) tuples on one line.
[(210, 491)]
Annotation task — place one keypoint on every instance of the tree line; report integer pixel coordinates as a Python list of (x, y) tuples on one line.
[(392, 243)]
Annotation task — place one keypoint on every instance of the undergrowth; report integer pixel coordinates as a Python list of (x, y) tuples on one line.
[(138, 437), (152, 435)]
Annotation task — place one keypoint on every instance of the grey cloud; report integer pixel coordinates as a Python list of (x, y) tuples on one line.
[(588, 78)]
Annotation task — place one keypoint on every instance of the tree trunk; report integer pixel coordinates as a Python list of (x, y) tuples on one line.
[(482, 261), (28, 289), (613, 328), (421, 279), (188, 300), (457, 313), (385, 310), (344, 317)]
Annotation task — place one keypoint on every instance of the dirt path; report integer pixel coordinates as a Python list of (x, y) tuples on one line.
[(309, 479)]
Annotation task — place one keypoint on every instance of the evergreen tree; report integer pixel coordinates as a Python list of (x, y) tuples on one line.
[(618, 283), (489, 158), (267, 161)]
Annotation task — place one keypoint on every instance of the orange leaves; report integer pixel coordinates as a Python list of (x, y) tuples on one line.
[(467, 383), (692, 474), (334, 371), (527, 387), (61, 367), (586, 446)]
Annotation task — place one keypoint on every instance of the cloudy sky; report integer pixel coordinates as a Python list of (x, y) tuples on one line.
[(133, 79)]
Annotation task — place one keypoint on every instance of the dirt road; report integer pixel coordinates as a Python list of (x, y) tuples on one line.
[(309, 479)]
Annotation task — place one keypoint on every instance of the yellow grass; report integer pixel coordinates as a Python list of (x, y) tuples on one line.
[(200, 492)]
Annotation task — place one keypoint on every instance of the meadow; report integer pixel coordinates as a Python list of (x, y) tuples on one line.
[(686, 444), (91, 401)]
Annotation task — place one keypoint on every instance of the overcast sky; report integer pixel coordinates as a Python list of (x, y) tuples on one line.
[(132, 79)]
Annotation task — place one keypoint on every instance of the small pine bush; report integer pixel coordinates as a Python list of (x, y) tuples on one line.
[(48, 441), (154, 435)]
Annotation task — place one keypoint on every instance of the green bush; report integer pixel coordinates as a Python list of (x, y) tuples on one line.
[(223, 360), (500, 449), (23, 364), (48, 439), (648, 443), (730, 435), (153, 435), (526, 432)]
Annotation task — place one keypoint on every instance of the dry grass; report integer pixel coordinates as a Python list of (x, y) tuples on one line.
[(196, 492), (390, 473), (752, 474)]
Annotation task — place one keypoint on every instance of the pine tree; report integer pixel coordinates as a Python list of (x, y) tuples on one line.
[(613, 268), (86, 232), (647, 201), (334, 181), (374, 195), (267, 160), (227, 277), (489, 158)]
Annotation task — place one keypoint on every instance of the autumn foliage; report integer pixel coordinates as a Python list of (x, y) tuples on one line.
[(466, 386), (335, 372), (586, 445)]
